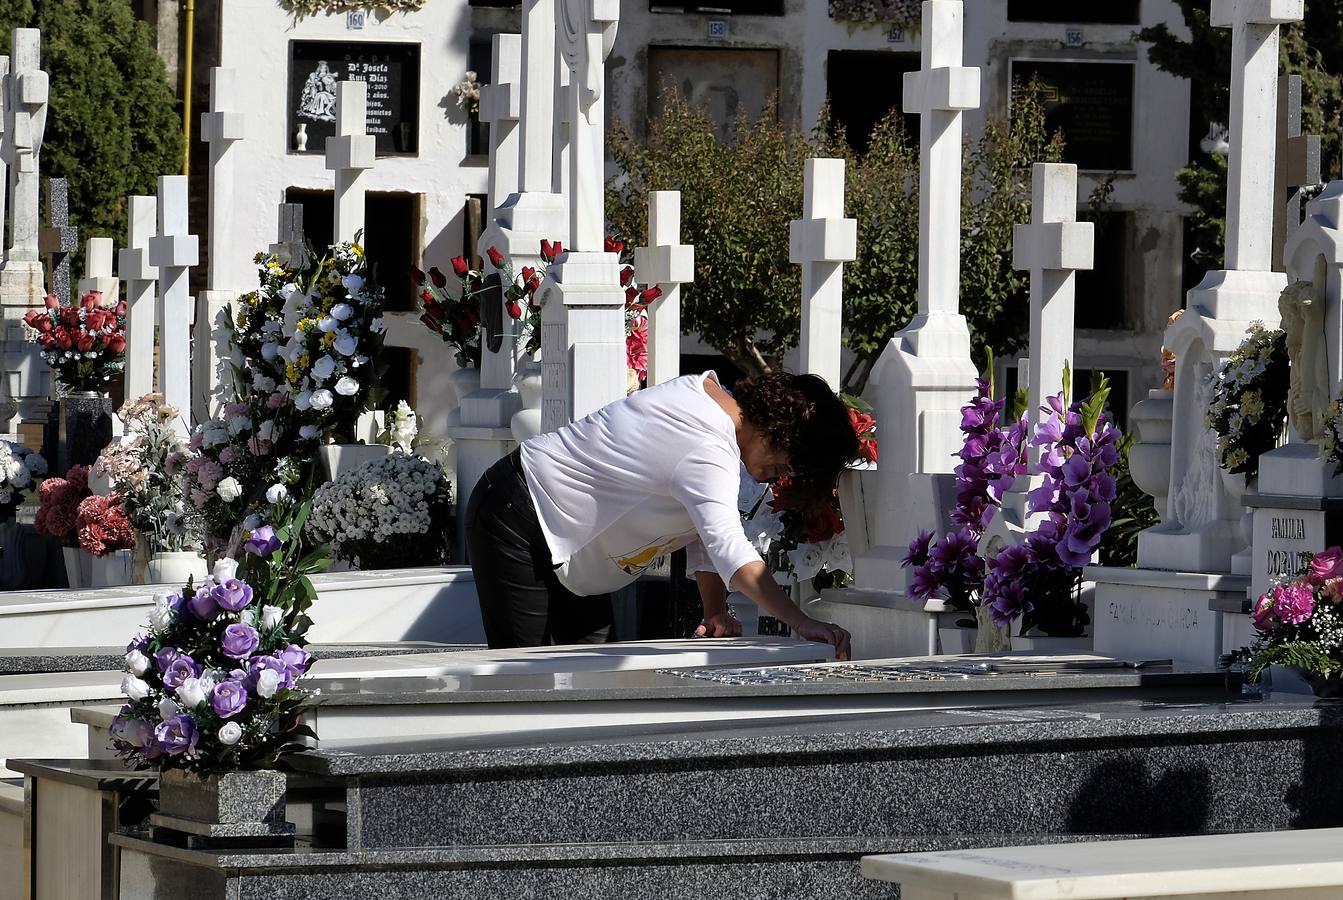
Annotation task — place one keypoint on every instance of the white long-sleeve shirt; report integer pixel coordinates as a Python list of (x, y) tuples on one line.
[(635, 480)]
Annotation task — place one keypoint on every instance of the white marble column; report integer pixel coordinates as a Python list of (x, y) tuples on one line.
[(140, 277), (173, 251), (821, 242), (667, 264), (349, 154)]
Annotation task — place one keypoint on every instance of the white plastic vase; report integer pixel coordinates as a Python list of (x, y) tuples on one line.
[(175, 567), (112, 570), (337, 459)]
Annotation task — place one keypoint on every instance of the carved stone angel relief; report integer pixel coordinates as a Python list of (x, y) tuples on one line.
[(1302, 308)]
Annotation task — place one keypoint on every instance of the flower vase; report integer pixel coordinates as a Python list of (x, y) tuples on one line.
[(464, 381), (1325, 687), (112, 570), (78, 568), (85, 429), (241, 806), (338, 459), (954, 638), (175, 567), (526, 422)]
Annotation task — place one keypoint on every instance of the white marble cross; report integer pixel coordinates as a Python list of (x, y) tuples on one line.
[(27, 92), (1250, 201), (230, 265), (586, 30), (821, 242), (350, 153), (98, 255), (174, 251), (1054, 246), (501, 106), (134, 268), (668, 264), (939, 92), (538, 67)]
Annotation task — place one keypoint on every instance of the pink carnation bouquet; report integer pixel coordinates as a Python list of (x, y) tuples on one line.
[(103, 526), (58, 505), (1300, 622)]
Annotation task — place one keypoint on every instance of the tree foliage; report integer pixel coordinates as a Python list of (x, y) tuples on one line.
[(112, 124), (738, 196), (1312, 49)]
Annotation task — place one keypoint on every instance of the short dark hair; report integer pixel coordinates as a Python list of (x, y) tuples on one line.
[(802, 416)]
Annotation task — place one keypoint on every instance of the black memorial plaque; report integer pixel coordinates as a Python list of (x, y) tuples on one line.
[(393, 75), (1092, 104)]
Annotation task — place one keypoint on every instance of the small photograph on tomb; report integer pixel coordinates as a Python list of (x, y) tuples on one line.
[(393, 75), (1091, 102), (728, 83)]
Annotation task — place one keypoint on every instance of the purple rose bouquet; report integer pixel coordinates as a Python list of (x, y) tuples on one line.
[(213, 684), (1300, 622)]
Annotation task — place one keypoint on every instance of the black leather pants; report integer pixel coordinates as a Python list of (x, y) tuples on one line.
[(522, 603)]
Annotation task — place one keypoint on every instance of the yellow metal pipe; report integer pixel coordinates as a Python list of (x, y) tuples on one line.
[(187, 86)]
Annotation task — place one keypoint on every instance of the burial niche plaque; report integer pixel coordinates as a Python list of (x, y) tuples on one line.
[(393, 75), (1092, 104), (1288, 531)]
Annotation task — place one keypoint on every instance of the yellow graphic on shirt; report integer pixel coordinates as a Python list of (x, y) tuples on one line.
[(637, 561)]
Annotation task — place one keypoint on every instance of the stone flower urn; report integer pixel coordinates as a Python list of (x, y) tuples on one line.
[(229, 807)]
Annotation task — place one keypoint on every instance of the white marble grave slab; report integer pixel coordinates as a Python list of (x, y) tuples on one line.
[(1305, 865)]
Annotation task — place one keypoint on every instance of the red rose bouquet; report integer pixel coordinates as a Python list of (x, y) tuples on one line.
[(84, 343)]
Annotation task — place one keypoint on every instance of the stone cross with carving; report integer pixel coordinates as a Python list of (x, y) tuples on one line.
[(1053, 247), (350, 153), (26, 93), (173, 251), (134, 268), (1250, 200), (821, 242), (668, 264)]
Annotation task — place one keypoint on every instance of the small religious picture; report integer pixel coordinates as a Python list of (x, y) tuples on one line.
[(393, 75)]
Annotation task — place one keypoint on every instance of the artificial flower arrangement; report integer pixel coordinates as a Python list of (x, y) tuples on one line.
[(799, 537), (213, 685), (387, 513), (456, 318), (1037, 581), (19, 470), (145, 468), (1249, 400), (58, 505), (102, 525), (304, 355), (84, 343), (1300, 622)]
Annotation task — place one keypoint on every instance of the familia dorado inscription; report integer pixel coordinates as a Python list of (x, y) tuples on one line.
[(1287, 562)]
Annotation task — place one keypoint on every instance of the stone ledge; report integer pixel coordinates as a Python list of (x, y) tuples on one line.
[(1222, 582)]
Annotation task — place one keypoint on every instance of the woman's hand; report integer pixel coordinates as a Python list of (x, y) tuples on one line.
[(720, 625), (825, 633)]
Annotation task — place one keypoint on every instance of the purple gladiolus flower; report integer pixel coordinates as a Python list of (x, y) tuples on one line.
[(179, 670), (228, 698), (239, 640), (232, 595), (202, 605), (262, 542), (177, 735), (1294, 604), (918, 550), (1077, 470)]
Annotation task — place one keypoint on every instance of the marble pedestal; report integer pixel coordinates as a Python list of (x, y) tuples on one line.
[(1156, 614)]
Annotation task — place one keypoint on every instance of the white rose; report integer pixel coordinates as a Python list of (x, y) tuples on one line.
[(322, 399), (267, 683), (275, 493), (269, 351), (270, 617), (353, 283), (323, 368), (137, 662), (230, 733), (327, 324), (191, 693), (307, 432), (304, 400), (346, 344), (342, 311), (135, 688), (224, 570), (229, 489), (168, 708), (347, 386)]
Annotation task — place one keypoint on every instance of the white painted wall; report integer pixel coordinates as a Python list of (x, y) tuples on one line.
[(254, 40)]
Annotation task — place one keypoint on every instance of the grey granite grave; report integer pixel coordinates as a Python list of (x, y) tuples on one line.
[(784, 808), (29, 660)]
